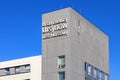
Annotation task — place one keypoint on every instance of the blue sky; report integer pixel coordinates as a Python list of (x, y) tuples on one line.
[(20, 26)]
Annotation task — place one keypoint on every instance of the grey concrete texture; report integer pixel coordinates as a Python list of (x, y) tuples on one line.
[(84, 43)]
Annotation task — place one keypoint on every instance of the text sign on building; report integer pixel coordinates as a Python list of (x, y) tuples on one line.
[(55, 29)]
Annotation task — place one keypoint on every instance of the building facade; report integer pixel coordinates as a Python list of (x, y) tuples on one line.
[(73, 48), (21, 69)]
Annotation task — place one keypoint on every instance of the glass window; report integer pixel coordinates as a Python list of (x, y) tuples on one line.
[(86, 67), (106, 77), (61, 75), (61, 61), (17, 69), (89, 70), (100, 75), (7, 70), (27, 68), (95, 72)]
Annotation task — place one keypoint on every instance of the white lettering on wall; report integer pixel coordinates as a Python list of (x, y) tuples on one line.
[(55, 29)]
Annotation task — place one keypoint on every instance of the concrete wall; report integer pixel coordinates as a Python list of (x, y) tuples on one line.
[(87, 44), (34, 74), (84, 43)]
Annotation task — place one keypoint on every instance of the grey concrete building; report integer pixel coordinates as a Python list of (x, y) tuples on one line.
[(73, 48)]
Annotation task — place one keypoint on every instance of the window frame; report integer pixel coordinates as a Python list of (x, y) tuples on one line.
[(60, 60), (61, 73), (27, 70), (17, 69)]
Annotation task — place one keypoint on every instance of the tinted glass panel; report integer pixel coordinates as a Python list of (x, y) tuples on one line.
[(61, 75)]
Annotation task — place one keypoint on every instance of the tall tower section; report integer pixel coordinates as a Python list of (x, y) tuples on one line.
[(73, 48)]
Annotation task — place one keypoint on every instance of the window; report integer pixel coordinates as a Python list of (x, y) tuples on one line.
[(61, 75), (100, 75), (27, 68), (88, 68), (94, 73), (7, 70), (17, 69), (106, 77), (61, 62)]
